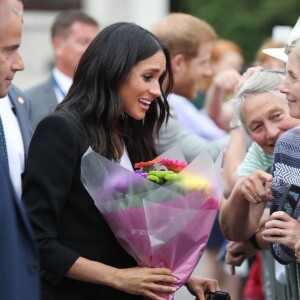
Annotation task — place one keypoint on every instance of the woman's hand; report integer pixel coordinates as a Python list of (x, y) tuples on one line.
[(197, 286), (282, 229), (144, 281), (256, 187)]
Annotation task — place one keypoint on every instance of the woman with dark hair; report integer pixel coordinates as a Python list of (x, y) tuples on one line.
[(116, 106)]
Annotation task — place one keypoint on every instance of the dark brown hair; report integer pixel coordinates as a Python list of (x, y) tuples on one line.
[(94, 101)]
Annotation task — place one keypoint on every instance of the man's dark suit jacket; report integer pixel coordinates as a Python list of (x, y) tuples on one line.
[(43, 100), (65, 220), (19, 266)]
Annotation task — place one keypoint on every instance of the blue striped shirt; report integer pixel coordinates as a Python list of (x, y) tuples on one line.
[(286, 170)]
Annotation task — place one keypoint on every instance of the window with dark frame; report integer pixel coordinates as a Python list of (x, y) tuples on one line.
[(52, 5)]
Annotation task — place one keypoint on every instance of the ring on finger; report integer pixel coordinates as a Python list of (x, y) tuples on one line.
[(257, 198)]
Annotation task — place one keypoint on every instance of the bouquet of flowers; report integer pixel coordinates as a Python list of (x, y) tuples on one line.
[(162, 214)]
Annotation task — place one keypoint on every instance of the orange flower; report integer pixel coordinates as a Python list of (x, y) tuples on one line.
[(146, 163)]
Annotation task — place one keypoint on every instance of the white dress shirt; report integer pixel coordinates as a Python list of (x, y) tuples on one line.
[(62, 84), (14, 144)]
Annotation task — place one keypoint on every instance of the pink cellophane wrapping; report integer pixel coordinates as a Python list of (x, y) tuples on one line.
[(160, 226)]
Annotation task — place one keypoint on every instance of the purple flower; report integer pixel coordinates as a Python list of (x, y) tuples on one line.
[(141, 173)]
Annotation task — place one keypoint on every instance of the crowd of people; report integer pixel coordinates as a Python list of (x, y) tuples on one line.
[(128, 93)]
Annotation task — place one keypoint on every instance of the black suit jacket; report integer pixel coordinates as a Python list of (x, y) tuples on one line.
[(63, 215)]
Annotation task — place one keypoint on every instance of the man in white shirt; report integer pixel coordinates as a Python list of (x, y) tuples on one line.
[(14, 114), (14, 107), (71, 33), (19, 276)]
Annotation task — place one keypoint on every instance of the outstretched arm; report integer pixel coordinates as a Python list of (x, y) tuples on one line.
[(241, 212), (233, 156)]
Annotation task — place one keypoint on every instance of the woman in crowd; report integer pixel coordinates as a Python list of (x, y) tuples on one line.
[(283, 230), (263, 112), (116, 106)]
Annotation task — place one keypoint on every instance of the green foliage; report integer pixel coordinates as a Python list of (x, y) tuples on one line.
[(161, 177), (247, 22)]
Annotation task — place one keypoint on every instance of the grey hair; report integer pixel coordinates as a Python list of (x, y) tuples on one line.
[(293, 47), (258, 83)]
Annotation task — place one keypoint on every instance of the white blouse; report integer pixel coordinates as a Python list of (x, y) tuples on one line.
[(125, 160)]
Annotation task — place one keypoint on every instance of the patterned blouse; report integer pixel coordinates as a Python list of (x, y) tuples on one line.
[(286, 170)]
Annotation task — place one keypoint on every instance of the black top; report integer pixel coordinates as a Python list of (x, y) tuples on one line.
[(64, 218)]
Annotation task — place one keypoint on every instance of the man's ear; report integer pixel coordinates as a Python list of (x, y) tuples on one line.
[(57, 43), (177, 62)]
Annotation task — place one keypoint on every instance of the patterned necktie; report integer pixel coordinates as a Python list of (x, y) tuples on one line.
[(3, 150)]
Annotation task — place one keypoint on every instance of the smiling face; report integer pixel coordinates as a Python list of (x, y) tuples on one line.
[(188, 72), (291, 85), (142, 85), (266, 117)]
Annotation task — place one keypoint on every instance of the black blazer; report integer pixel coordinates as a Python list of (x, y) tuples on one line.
[(63, 215)]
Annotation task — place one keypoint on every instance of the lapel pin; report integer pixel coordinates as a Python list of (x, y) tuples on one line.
[(20, 100)]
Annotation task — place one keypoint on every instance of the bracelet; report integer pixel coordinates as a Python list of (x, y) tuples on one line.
[(253, 240)]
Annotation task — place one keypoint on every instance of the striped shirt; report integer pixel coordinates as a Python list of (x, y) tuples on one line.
[(286, 170)]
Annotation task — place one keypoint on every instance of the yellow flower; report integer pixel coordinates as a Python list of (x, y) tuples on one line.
[(191, 182)]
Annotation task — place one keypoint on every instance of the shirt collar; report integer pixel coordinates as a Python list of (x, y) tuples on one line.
[(63, 80)]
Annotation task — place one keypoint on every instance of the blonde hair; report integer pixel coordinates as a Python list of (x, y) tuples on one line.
[(183, 33)]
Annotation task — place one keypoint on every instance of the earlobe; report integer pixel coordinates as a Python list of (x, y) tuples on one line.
[(57, 42), (177, 61)]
